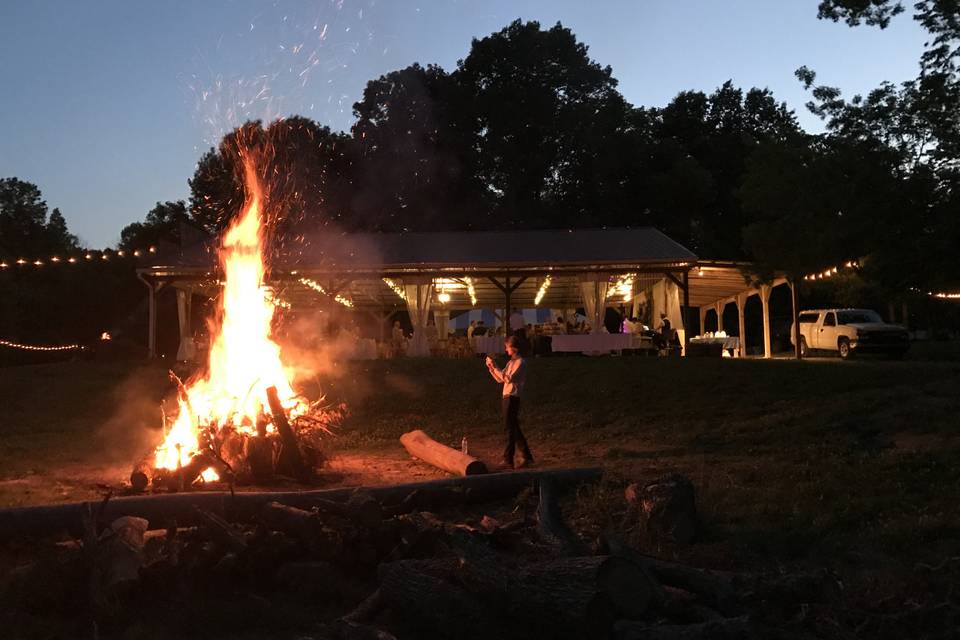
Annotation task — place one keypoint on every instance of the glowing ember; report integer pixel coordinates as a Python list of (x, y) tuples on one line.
[(244, 361)]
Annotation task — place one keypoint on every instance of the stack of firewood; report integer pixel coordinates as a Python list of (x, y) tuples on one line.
[(419, 567)]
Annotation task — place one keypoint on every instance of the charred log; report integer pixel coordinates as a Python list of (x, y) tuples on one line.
[(289, 460)]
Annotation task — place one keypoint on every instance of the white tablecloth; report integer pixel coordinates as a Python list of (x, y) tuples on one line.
[(487, 344), (586, 343), (730, 343)]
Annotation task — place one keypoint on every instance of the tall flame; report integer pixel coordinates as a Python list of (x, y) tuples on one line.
[(244, 360)]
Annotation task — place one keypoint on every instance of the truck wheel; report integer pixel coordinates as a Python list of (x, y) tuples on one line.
[(843, 345), (804, 351)]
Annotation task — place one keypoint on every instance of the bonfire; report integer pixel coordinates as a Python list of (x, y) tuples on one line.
[(240, 417)]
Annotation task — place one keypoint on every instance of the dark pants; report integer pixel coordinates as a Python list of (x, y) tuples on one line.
[(515, 438)]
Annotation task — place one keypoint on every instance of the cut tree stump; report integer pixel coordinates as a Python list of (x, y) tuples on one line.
[(22, 522), (423, 447), (668, 508)]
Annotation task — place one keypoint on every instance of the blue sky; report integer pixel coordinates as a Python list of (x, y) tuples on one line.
[(107, 105)]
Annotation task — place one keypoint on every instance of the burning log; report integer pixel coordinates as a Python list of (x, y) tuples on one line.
[(183, 477), (140, 475), (258, 453), (290, 461), (160, 509), (423, 447)]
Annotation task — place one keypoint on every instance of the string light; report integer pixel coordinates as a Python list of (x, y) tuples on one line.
[(623, 286), (90, 255), (827, 273), (471, 291), (37, 347), (396, 288), (313, 284), (542, 291)]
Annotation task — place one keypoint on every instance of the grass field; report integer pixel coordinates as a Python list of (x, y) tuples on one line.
[(852, 465)]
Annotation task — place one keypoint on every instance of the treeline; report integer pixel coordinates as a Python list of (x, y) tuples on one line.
[(529, 132)]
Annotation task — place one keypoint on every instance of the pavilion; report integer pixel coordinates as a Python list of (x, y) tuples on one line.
[(442, 272)]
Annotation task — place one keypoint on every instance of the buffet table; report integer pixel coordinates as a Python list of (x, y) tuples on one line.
[(598, 342), (728, 346), (487, 344)]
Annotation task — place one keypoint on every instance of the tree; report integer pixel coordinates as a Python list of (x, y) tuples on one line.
[(701, 145), (917, 122), (413, 167), (24, 227), (546, 127), (304, 170), (162, 224), (795, 228)]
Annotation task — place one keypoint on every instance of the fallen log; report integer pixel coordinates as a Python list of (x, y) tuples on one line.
[(346, 630), (715, 590), (220, 531), (725, 629), (423, 447), (586, 593), (361, 507), (423, 595), (46, 520)]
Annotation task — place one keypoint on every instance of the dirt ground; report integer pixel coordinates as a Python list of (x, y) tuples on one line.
[(371, 466)]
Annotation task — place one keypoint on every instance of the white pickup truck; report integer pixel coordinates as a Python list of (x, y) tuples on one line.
[(849, 331)]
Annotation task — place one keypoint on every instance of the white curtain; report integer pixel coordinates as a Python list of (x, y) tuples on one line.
[(594, 293), (418, 305), (666, 299), (442, 318)]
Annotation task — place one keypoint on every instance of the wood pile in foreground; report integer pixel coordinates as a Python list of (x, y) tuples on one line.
[(368, 568)]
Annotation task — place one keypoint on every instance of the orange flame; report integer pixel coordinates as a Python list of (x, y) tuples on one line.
[(244, 360)]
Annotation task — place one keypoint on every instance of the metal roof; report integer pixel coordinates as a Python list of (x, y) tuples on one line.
[(468, 251)]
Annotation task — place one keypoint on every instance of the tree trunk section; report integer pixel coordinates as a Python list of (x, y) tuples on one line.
[(423, 447), (551, 525)]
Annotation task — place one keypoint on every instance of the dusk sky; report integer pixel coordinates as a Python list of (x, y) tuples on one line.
[(107, 105)]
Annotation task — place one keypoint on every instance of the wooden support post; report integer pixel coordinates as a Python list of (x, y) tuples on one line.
[(686, 310), (795, 312), (719, 307), (703, 320), (765, 301), (151, 316), (152, 324), (507, 310), (741, 317)]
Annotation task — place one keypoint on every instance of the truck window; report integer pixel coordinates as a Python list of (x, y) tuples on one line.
[(808, 318), (830, 320), (855, 316)]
